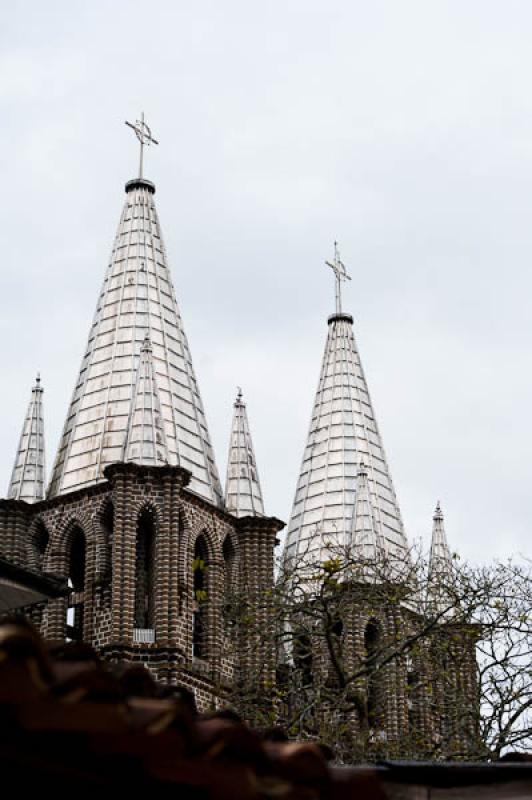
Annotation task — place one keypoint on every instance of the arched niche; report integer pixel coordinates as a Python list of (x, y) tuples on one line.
[(200, 606), (76, 568), (302, 656), (374, 686), (144, 618), (39, 544)]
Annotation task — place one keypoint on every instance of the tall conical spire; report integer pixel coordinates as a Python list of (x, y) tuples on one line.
[(145, 439), (366, 538), (27, 478), (343, 431), (243, 496), (137, 298)]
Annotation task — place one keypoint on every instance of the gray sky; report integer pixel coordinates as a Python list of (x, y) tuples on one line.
[(402, 129)]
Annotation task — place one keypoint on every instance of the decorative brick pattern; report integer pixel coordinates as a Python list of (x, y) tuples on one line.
[(239, 554), (123, 585)]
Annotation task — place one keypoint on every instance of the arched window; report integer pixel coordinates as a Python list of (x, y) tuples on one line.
[(108, 515), (145, 571), (76, 583), (302, 657), (374, 691), (200, 604), (335, 654), (412, 696), (41, 542)]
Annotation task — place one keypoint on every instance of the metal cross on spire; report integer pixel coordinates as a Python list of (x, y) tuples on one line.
[(340, 273), (144, 136)]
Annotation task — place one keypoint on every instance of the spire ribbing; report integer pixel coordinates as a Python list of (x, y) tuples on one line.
[(145, 439), (343, 431), (243, 496), (137, 298), (28, 476)]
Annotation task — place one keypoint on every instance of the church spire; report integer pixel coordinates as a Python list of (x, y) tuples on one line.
[(145, 439), (440, 555), (366, 538), (440, 565), (343, 431), (137, 298), (27, 478), (243, 496)]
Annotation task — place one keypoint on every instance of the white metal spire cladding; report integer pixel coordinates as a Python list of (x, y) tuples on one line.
[(28, 476), (366, 537), (343, 432), (243, 496), (145, 440), (440, 567), (440, 555), (137, 298)]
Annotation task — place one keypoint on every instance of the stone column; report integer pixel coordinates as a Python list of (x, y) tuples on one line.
[(256, 538)]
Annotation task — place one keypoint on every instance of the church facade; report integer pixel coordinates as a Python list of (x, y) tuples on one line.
[(134, 515)]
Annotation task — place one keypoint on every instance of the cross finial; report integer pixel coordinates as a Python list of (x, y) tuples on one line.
[(143, 134), (340, 273)]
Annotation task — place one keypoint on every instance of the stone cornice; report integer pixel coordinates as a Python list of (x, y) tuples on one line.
[(130, 468), (260, 524), (17, 505)]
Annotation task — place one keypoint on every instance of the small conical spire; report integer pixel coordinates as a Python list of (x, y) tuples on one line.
[(243, 496), (28, 479), (367, 541), (440, 564), (145, 439), (440, 555)]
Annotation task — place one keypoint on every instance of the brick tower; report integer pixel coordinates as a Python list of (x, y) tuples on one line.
[(345, 510), (134, 515)]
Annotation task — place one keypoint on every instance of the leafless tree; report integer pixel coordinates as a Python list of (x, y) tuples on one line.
[(348, 630)]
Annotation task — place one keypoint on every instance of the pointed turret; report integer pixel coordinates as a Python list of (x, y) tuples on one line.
[(366, 537), (343, 431), (440, 563), (439, 598), (27, 478), (243, 496), (137, 298), (145, 439)]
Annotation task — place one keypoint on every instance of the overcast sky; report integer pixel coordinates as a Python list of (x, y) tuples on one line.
[(404, 130)]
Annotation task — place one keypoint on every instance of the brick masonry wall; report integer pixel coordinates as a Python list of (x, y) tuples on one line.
[(107, 515)]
